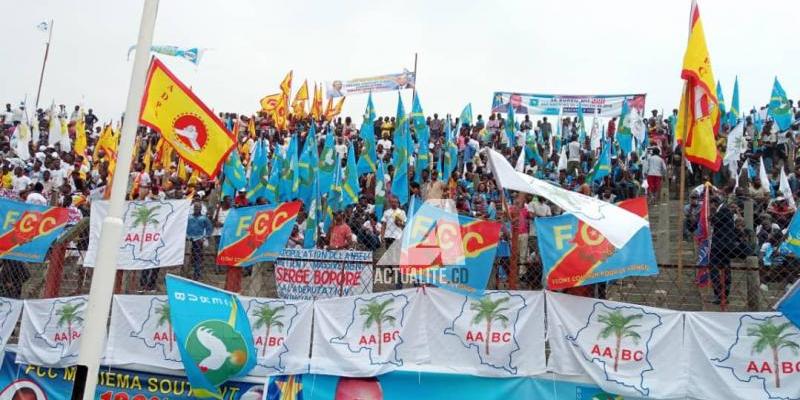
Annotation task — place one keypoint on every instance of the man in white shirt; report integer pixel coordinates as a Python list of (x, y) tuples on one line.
[(655, 169), (35, 196), (19, 182), (573, 155)]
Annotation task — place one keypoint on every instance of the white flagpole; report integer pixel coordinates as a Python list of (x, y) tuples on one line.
[(102, 289)]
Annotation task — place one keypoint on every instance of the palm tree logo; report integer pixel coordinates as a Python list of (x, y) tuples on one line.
[(378, 314), (621, 327), (489, 311), (775, 338), (144, 216), (268, 318), (164, 318), (70, 315)]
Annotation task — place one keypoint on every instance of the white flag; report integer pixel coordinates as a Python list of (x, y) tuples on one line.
[(21, 138), (736, 144), (154, 235), (368, 335), (562, 159), (785, 189), (616, 224), (621, 347), (43, 26), (66, 142), (520, 166), (51, 330), (741, 356), (762, 174), (637, 125), (596, 135), (10, 310), (54, 128), (500, 334)]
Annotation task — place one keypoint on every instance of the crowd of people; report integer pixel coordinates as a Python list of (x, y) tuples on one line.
[(565, 151)]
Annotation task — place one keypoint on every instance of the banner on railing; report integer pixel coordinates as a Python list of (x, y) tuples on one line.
[(575, 254), (281, 333), (154, 235), (742, 355), (382, 83), (256, 234), (50, 332), (141, 333), (606, 106), (10, 310), (369, 335), (625, 349), (498, 334), (28, 381), (309, 274), (28, 230)]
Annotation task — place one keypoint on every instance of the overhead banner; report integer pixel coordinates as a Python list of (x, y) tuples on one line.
[(32, 382), (575, 254), (311, 274), (500, 334), (606, 106), (338, 88), (429, 385), (625, 349), (281, 334), (10, 310), (256, 234), (50, 332), (368, 335), (154, 235), (742, 355), (28, 230)]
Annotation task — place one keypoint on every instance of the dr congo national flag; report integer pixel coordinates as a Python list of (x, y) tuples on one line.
[(255, 234), (448, 250), (575, 254), (28, 230), (194, 131)]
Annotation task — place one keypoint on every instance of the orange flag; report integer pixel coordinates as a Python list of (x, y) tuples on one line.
[(698, 115), (194, 131)]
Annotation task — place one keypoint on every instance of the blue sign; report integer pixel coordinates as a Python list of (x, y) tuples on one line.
[(28, 230)]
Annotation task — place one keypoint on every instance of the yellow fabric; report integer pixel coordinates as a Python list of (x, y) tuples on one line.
[(80, 136)]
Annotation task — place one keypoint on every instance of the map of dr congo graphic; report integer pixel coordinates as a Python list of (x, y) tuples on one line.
[(504, 310), (156, 323), (743, 362), (62, 324), (141, 219), (640, 323), (396, 310), (282, 317)]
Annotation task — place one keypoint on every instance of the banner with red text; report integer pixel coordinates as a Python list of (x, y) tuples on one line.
[(742, 355), (369, 335), (625, 349), (50, 332), (310, 274), (154, 235)]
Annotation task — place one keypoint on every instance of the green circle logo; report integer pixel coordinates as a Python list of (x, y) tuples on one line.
[(218, 351)]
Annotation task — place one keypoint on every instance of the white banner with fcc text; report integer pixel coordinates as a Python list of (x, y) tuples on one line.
[(626, 349), (154, 235)]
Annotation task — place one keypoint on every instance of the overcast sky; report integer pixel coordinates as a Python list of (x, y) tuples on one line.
[(467, 49)]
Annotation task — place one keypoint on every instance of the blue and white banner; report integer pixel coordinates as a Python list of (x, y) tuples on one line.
[(381, 83), (50, 332), (191, 55), (369, 335), (606, 106), (499, 334), (625, 349), (154, 235), (750, 356)]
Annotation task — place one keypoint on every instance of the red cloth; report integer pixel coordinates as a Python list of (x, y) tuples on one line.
[(653, 183)]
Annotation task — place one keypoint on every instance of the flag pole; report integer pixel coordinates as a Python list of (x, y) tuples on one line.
[(44, 62), (414, 89), (681, 188), (100, 294)]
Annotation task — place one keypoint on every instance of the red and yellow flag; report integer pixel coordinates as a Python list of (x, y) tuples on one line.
[(316, 104), (299, 102), (270, 103), (194, 131), (80, 136), (698, 115), (332, 111), (286, 84)]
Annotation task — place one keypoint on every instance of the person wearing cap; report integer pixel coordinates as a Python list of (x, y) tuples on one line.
[(241, 198)]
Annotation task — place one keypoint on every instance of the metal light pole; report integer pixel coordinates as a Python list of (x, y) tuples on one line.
[(94, 331)]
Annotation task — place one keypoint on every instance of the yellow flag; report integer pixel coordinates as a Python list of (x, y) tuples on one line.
[(80, 137), (302, 94), (299, 102), (251, 127), (286, 84), (194, 131), (316, 104), (698, 115), (281, 113), (181, 170), (147, 159), (332, 112), (270, 103)]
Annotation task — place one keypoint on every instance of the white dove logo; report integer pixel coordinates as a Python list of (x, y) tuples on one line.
[(218, 352), (190, 133)]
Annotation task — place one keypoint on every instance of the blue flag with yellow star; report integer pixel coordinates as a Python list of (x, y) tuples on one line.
[(285, 387)]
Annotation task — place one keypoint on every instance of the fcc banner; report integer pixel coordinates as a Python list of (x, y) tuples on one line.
[(256, 234), (382, 83), (606, 106), (27, 381), (310, 274), (625, 349), (154, 235), (499, 334), (369, 335), (575, 254), (742, 355), (28, 230), (50, 332)]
